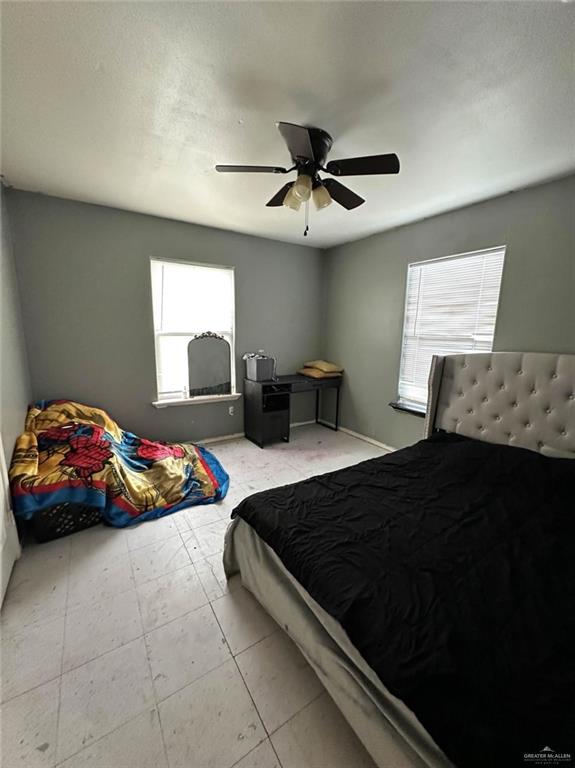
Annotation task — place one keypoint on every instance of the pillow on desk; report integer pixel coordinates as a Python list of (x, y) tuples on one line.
[(322, 365), (316, 373)]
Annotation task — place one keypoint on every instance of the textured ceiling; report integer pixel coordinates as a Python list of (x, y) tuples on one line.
[(132, 104)]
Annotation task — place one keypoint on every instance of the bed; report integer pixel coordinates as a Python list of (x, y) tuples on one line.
[(484, 503)]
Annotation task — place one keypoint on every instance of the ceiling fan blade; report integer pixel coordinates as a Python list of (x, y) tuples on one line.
[(298, 140), (342, 194), (364, 166), (250, 169), (278, 198)]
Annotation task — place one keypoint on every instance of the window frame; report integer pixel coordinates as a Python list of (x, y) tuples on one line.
[(412, 406), (163, 401)]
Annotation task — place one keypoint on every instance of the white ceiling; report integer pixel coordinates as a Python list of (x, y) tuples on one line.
[(131, 104)]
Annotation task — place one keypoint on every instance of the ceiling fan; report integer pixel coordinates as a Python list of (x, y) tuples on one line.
[(309, 148)]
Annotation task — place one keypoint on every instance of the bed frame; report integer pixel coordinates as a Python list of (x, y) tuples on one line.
[(525, 400)]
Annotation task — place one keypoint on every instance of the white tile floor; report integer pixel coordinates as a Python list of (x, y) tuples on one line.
[(128, 648)]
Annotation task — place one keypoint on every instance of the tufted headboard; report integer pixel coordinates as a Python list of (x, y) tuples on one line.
[(525, 399)]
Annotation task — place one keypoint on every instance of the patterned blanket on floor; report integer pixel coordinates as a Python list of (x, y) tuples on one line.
[(72, 453)]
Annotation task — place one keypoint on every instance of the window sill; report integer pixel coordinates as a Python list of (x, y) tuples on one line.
[(199, 400), (407, 409)]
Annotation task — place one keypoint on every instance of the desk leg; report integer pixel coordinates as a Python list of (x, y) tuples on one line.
[(285, 438), (323, 423)]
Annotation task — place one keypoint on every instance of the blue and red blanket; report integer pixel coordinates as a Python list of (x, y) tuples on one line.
[(73, 453)]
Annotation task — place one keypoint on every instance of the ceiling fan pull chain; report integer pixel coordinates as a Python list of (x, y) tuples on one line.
[(306, 230)]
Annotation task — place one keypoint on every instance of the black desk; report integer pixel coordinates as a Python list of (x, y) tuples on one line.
[(267, 405)]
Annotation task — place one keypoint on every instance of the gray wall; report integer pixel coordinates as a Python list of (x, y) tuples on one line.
[(15, 390), (364, 290), (85, 286), (85, 282)]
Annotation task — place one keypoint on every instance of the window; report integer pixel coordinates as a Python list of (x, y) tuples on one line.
[(450, 308), (193, 303)]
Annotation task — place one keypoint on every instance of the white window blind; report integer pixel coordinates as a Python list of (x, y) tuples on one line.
[(450, 308), (188, 299)]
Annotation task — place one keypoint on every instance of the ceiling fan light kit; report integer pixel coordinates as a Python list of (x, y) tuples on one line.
[(309, 148), (291, 201), (302, 187), (321, 197)]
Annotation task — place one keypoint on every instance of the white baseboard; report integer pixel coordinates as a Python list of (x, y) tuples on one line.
[(236, 435), (365, 438), (220, 438)]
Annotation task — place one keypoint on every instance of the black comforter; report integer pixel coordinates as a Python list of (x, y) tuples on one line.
[(451, 566)]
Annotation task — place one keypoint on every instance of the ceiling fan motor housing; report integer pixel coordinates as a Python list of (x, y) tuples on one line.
[(321, 143)]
